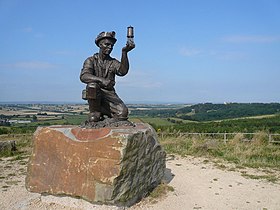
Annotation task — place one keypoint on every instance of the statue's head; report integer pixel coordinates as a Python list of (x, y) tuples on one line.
[(105, 35), (105, 41)]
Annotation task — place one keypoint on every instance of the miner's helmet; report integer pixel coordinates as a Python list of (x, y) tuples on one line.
[(103, 35)]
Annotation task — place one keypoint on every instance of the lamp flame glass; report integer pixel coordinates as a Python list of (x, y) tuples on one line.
[(130, 34)]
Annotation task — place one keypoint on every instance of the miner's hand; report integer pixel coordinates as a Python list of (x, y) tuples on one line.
[(129, 46), (107, 84)]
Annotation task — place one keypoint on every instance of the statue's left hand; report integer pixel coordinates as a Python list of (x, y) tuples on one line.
[(129, 46)]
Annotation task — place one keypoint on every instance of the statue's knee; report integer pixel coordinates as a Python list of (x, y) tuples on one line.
[(93, 86), (123, 112)]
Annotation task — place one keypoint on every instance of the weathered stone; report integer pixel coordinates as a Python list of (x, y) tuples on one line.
[(108, 122), (9, 145), (107, 165)]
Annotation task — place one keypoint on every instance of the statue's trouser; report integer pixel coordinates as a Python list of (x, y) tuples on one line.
[(105, 102)]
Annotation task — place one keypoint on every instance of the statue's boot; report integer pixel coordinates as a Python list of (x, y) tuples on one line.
[(95, 110)]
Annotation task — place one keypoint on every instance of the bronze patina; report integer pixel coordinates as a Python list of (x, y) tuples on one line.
[(99, 73)]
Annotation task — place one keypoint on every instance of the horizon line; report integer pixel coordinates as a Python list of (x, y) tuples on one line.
[(129, 102)]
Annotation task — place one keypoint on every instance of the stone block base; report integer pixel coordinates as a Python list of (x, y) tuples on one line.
[(107, 165)]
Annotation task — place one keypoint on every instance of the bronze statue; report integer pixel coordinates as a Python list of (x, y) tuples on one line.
[(99, 73)]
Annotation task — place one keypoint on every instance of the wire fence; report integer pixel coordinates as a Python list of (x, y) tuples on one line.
[(272, 138)]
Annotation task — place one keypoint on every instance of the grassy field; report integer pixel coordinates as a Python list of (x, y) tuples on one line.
[(257, 153), (75, 119), (268, 123), (155, 121), (23, 145)]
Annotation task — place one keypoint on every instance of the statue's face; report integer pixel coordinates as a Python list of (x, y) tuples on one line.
[(106, 46)]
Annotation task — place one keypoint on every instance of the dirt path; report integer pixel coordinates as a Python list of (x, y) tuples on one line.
[(198, 184)]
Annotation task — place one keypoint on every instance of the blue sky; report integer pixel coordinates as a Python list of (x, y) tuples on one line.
[(188, 51)]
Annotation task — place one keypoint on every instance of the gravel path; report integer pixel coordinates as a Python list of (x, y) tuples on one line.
[(198, 184)]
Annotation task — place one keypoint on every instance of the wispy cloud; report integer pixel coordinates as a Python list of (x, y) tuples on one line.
[(229, 55), (27, 29), (190, 51), (29, 65), (223, 55), (251, 39), (139, 80), (31, 31), (64, 52)]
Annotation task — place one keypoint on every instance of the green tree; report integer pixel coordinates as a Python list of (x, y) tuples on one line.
[(34, 118)]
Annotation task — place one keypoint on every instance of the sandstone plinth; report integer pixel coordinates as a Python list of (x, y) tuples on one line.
[(107, 165)]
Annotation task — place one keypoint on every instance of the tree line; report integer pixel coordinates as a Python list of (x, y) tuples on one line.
[(210, 112)]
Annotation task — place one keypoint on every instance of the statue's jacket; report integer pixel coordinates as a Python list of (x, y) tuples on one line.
[(106, 69)]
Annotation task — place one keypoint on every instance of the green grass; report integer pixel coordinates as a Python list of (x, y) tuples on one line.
[(68, 120), (23, 142), (254, 154), (75, 119), (161, 190), (157, 121), (270, 178), (181, 120), (246, 125), (23, 145)]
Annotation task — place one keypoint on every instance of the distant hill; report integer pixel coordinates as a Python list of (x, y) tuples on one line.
[(210, 112)]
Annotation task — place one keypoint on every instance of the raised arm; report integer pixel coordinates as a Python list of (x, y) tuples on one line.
[(124, 67)]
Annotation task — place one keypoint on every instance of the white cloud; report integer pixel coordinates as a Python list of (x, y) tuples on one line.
[(189, 52), (251, 39), (139, 80)]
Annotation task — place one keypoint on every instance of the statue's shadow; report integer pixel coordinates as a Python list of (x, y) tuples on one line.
[(168, 176)]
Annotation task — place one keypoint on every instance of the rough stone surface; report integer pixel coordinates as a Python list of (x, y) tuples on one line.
[(108, 122), (9, 145), (108, 165)]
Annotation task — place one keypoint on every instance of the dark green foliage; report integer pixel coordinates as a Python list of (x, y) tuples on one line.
[(209, 111), (34, 118), (201, 118), (270, 125), (155, 113), (4, 130), (22, 129), (17, 130)]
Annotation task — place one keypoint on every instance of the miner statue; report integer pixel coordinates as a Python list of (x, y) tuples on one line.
[(99, 73)]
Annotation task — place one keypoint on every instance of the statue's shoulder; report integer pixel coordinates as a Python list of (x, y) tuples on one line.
[(91, 59), (94, 56)]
